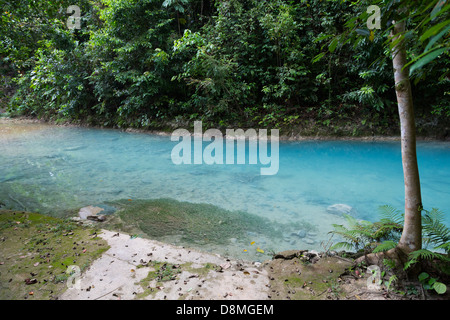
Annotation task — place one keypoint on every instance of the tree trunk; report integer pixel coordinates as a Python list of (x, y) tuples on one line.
[(411, 238), (178, 20)]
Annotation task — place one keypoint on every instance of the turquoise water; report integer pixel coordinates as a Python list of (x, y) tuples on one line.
[(57, 168)]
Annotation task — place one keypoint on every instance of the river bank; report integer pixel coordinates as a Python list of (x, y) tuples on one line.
[(38, 253), (297, 134), (297, 274)]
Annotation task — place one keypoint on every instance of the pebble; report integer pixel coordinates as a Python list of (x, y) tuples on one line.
[(299, 233), (309, 241)]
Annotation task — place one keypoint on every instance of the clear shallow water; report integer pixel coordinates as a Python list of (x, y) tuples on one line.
[(59, 168)]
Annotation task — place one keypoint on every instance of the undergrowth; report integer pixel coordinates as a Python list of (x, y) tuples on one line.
[(381, 236)]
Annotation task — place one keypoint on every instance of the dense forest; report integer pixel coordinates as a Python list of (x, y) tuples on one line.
[(156, 64), (349, 68)]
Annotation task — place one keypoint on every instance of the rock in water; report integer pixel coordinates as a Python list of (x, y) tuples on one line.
[(91, 213), (97, 218), (301, 234), (340, 209)]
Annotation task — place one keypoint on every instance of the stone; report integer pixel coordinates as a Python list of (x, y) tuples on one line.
[(288, 254), (91, 213), (301, 233), (340, 209), (96, 218), (309, 241), (85, 212), (107, 210), (314, 253)]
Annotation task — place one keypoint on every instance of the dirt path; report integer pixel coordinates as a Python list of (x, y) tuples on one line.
[(137, 268)]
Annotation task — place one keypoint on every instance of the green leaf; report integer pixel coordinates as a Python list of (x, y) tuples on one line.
[(385, 246), (439, 287), (363, 32), (436, 38), (427, 59), (437, 8), (423, 276), (318, 57), (333, 45), (434, 30)]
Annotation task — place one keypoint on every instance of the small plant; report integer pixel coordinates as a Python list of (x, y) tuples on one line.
[(384, 235), (164, 271), (429, 283), (365, 235), (393, 278)]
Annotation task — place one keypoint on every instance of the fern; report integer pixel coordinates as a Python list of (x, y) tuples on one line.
[(364, 234), (356, 234), (424, 254), (390, 215), (384, 235), (434, 230), (343, 245), (349, 235), (385, 246)]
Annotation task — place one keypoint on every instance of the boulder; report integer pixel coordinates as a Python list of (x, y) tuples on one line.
[(91, 213), (288, 255), (340, 209), (299, 233), (97, 218)]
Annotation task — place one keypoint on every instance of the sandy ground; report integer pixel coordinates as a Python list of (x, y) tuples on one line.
[(121, 272)]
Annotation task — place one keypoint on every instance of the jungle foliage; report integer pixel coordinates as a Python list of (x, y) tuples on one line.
[(246, 63)]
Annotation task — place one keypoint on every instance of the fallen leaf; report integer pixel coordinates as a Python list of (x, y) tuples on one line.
[(36, 264), (245, 250), (259, 250), (252, 243), (132, 270)]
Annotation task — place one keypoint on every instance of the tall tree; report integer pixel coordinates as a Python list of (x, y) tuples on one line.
[(427, 21), (178, 6), (411, 239)]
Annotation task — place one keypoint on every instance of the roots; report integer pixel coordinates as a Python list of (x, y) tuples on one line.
[(396, 255)]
